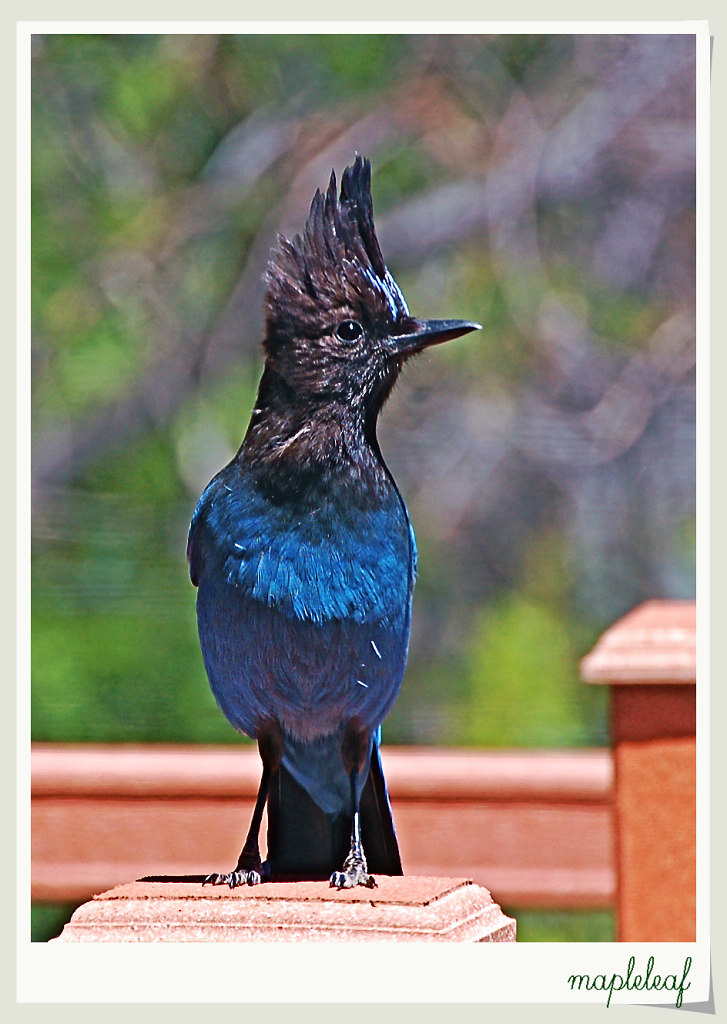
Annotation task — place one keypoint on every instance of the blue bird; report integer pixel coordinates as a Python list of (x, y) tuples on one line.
[(303, 554)]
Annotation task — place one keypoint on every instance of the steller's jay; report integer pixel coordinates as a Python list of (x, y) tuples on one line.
[(304, 556)]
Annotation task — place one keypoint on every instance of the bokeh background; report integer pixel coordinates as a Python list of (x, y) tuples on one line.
[(543, 185)]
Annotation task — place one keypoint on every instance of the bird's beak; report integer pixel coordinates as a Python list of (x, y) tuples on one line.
[(431, 332)]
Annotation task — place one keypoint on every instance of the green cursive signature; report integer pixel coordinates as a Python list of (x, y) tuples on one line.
[(648, 982)]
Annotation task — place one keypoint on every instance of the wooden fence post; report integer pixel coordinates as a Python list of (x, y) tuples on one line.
[(649, 660)]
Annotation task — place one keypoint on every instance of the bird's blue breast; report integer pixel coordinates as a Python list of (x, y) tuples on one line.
[(303, 612), (303, 606), (332, 560)]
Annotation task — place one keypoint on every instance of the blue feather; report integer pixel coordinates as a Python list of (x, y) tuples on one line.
[(294, 614)]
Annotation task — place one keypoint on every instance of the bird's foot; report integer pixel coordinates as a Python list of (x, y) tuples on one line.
[(234, 878), (354, 873), (244, 874)]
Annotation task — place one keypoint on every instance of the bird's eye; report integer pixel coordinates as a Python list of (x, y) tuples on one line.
[(349, 330)]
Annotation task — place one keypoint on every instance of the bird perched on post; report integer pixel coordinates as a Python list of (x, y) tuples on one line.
[(304, 556)]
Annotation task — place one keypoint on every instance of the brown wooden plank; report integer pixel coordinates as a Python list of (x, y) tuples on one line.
[(412, 772)]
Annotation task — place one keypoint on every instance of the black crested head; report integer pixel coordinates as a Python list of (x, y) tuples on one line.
[(337, 327), (333, 273), (337, 332)]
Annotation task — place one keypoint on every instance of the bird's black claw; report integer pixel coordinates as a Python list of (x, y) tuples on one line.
[(348, 880), (215, 879), (245, 877), (240, 876)]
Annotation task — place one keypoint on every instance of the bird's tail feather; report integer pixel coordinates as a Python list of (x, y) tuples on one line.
[(306, 842), (377, 823)]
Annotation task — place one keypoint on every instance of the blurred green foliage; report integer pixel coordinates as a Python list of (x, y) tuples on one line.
[(522, 679), (564, 925), (48, 919)]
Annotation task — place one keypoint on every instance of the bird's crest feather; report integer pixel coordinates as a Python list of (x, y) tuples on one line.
[(334, 264)]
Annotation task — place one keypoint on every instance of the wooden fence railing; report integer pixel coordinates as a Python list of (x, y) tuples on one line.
[(534, 827)]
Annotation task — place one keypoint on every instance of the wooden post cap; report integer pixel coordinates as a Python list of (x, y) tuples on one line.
[(654, 643), (406, 909)]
